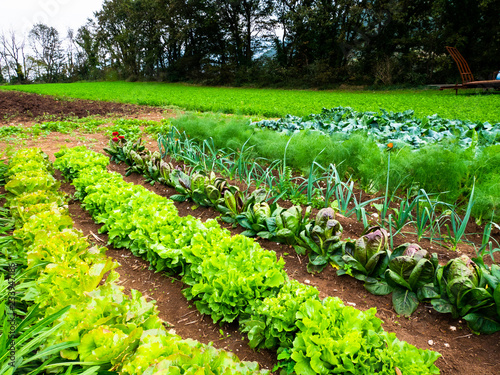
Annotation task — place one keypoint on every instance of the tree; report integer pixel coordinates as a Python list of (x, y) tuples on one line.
[(16, 62), (48, 52), (87, 51)]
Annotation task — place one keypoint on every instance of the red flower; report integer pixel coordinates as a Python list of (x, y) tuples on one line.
[(115, 139), (390, 145), (115, 133), (121, 137)]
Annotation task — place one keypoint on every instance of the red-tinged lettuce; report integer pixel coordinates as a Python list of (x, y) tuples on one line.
[(467, 291), (29, 165), (65, 283), (106, 345), (19, 204), (106, 305), (35, 154), (66, 245), (273, 321), (52, 220), (366, 258), (411, 269)]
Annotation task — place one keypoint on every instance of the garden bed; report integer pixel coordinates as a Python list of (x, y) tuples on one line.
[(464, 352)]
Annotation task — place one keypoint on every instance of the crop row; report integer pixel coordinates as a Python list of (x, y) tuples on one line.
[(445, 171), (232, 278), (89, 125), (461, 287), (64, 314), (399, 129)]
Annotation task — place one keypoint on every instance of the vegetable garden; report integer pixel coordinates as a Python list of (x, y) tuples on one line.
[(299, 201)]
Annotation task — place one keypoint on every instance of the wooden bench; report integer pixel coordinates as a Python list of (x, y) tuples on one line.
[(468, 81)]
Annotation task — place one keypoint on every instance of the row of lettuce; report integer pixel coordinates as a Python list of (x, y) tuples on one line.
[(462, 287), (62, 310), (234, 280)]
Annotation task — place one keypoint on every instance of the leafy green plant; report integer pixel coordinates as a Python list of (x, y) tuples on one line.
[(70, 163), (104, 326), (458, 225), (410, 270), (321, 240), (227, 284), (334, 338), (28, 341), (367, 257), (31, 181), (168, 352), (273, 322), (471, 292), (290, 223)]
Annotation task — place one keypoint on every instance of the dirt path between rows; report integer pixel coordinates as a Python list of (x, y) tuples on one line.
[(462, 351)]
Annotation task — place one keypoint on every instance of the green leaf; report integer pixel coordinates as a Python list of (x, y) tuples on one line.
[(178, 198), (249, 233), (427, 291), (482, 324), (405, 302), (379, 288), (442, 306), (396, 281), (496, 297), (421, 274)]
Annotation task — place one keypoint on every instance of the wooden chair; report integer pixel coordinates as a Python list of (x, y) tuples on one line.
[(468, 81)]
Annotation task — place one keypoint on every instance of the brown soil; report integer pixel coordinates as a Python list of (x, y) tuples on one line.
[(25, 106), (462, 351)]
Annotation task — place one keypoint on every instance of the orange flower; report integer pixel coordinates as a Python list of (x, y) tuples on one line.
[(390, 145)]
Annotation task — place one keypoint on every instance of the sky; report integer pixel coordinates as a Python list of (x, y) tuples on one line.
[(21, 15)]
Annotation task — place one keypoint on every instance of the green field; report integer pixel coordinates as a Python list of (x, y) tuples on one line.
[(277, 103)]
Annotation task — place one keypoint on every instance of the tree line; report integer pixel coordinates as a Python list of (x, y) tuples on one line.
[(291, 43)]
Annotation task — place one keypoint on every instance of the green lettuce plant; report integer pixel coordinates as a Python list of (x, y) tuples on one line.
[(161, 352), (229, 282), (273, 322), (259, 220), (30, 181), (334, 338), (71, 161)]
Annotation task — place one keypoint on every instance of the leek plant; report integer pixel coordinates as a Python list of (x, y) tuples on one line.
[(457, 224)]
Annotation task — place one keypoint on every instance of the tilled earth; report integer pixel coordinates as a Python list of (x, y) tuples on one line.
[(462, 351)]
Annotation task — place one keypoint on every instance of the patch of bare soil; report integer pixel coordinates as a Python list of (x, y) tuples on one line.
[(26, 106), (462, 351)]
